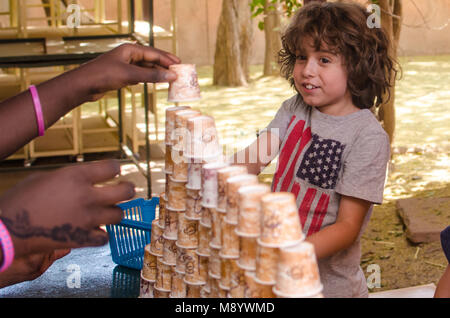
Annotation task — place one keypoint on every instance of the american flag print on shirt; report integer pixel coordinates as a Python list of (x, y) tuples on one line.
[(318, 169)]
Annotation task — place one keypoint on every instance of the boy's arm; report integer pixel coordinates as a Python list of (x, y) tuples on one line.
[(259, 154), (126, 65), (443, 287), (345, 231)]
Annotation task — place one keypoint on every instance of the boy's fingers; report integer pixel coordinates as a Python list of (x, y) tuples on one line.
[(100, 171), (112, 194)]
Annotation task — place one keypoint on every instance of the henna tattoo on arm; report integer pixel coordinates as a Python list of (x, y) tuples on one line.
[(22, 228)]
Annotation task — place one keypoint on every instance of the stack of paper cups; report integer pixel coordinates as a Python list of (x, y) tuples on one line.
[(185, 88), (298, 272)]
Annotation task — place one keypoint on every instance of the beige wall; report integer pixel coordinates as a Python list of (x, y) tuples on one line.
[(198, 21)]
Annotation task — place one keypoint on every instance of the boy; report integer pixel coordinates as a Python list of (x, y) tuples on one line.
[(333, 153)]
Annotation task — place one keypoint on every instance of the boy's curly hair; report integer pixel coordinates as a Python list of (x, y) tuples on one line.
[(342, 28)]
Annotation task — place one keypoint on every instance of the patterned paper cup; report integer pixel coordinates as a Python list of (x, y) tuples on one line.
[(247, 253), (170, 252), (298, 272), (149, 264), (230, 241), (210, 183), (253, 289), (187, 232), (146, 288), (176, 195), (156, 239), (222, 176), (163, 275), (280, 220), (170, 122), (266, 264), (193, 204), (178, 289), (249, 217), (233, 185), (203, 138), (171, 228), (185, 88)]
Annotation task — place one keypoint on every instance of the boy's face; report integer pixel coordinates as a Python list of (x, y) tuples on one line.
[(321, 78)]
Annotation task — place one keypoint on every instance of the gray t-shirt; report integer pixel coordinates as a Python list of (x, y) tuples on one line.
[(321, 158)]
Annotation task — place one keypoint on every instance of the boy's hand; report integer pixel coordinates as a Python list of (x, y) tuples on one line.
[(63, 208), (128, 64)]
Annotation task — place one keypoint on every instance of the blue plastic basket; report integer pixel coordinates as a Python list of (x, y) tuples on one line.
[(128, 239)]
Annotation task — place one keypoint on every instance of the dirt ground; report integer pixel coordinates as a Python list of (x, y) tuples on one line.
[(402, 263)]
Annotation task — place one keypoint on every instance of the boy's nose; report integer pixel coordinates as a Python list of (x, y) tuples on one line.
[(309, 69)]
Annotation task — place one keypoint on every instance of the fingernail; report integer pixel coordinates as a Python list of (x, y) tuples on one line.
[(170, 76)]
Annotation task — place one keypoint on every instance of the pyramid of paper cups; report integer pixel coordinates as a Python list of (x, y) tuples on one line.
[(219, 232)]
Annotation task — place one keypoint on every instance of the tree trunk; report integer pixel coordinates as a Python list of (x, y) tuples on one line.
[(392, 26), (234, 35), (272, 25)]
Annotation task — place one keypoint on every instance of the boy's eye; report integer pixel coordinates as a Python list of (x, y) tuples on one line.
[(324, 60), (301, 57)]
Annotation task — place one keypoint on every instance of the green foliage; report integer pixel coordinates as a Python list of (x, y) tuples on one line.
[(288, 7)]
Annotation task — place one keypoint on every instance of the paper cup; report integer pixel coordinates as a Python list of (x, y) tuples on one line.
[(181, 260), (187, 232), (161, 293), (298, 272), (266, 264), (194, 290), (204, 238), (170, 252), (163, 275), (170, 121), (176, 195), (210, 183), (253, 289), (203, 268), (249, 217), (230, 241), (217, 219), (185, 88), (280, 220), (171, 227), (194, 175), (232, 186), (222, 177), (237, 282), (146, 288), (156, 240), (247, 253), (203, 139), (178, 289), (214, 288), (193, 204), (192, 269), (181, 133), (149, 264), (168, 161), (215, 263), (206, 216), (162, 210)]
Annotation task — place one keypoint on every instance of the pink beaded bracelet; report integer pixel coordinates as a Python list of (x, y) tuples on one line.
[(7, 247), (38, 109)]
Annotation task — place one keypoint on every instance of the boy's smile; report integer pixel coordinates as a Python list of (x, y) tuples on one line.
[(321, 78)]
